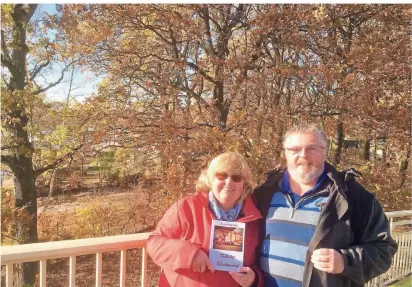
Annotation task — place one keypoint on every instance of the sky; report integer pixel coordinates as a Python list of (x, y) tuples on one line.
[(84, 83)]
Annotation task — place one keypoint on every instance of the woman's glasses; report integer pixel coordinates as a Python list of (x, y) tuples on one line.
[(224, 176)]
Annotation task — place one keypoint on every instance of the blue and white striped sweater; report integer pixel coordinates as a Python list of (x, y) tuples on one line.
[(290, 225)]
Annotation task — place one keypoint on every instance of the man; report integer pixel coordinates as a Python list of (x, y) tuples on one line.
[(322, 227)]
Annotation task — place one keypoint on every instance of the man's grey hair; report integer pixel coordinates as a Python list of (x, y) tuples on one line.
[(307, 128)]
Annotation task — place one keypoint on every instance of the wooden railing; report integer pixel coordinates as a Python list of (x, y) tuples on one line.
[(72, 248), (401, 266), (400, 222)]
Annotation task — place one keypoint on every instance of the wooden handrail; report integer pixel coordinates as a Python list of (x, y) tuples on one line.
[(72, 248), (67, 248), (399, 213)]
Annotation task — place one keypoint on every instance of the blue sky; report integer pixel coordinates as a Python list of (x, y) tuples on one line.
[(84, 83)]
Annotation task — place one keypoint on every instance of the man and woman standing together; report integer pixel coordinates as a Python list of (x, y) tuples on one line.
[(306, 225)]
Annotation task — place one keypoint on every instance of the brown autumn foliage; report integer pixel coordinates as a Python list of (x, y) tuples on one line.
[(183, 83), (190, 81)]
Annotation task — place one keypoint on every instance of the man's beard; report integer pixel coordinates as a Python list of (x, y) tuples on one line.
[(306, 177)]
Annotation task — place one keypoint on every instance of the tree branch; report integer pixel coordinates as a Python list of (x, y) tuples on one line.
[(201, 72), (55, 83), (6, 53), (7, 160), (191, 92), (5, 235), (5, 56), (204, 14), (39, 171), (38, 69), (32, 9), (5, 82)]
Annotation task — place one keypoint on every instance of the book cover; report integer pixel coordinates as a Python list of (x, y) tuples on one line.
[(227, 245)]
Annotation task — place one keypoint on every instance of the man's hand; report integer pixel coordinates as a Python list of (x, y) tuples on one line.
[(246, 278), (201, 262), (328, 260)]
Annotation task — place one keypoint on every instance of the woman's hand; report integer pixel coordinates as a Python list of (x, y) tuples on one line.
[(245, 278), (201, 262)]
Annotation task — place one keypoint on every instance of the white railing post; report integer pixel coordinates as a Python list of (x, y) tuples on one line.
[(401, 232), (123, 268), (71, 248), (72, 271), (9, 275), (98, 269), (43, 263), (144, 267), (409, 247)]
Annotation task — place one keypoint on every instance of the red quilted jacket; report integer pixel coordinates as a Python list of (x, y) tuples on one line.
[(184, 229)]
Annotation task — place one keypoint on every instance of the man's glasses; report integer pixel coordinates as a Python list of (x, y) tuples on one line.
[(224, 176), (310, 149)]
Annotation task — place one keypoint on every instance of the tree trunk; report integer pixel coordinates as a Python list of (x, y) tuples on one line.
[(26, 232), (405, 162), (339, 142), (366, 155), (19, 159), (221, 105), (404, 165)]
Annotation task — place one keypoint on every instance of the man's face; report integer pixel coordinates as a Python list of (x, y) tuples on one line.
[(305, 157)]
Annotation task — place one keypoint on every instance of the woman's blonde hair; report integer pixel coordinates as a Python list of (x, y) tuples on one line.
[(231, 163)]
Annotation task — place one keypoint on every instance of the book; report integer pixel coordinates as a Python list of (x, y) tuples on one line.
[(227, 245)]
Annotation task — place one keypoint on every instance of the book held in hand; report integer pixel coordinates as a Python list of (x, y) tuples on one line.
[(227, 245)]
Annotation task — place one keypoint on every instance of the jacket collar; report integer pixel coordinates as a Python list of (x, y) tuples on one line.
[(248, 213), (274, 177), (338, 186), (334, 210), (341, 200)]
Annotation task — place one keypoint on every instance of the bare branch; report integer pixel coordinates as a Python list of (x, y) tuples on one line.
[(32, 9), (70, 87), (55, 83), (204, 14), (6, 61), (192, 93), (201, 72), (7, 160), (52, 180), (15, 239), (5, 55), (39, 171), (38, 69), (5, 82)]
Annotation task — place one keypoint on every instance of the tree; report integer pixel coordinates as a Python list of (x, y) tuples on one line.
[(24, 61)]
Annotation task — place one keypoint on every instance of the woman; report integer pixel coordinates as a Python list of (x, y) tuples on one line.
[(180, 242)]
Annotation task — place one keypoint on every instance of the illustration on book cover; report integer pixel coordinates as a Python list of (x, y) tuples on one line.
[(227, 245)]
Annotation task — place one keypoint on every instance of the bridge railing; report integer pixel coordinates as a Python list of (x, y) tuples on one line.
[(401, 266), (401, 230), (73, 248)]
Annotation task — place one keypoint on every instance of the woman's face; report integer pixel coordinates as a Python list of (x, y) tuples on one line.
[(227, 189)]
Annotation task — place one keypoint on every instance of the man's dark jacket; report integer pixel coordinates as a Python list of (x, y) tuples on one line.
[(351, 222)]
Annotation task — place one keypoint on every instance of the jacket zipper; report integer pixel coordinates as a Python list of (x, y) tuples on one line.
[(290, 199), (307, 196)]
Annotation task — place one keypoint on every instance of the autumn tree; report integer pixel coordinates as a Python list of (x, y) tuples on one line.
[(26, 54), (239, 74), (205, 78)]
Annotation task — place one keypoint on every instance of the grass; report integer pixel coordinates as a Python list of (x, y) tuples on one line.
[(405, 282)]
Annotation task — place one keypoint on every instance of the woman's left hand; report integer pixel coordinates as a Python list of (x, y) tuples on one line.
[(246, 278)]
